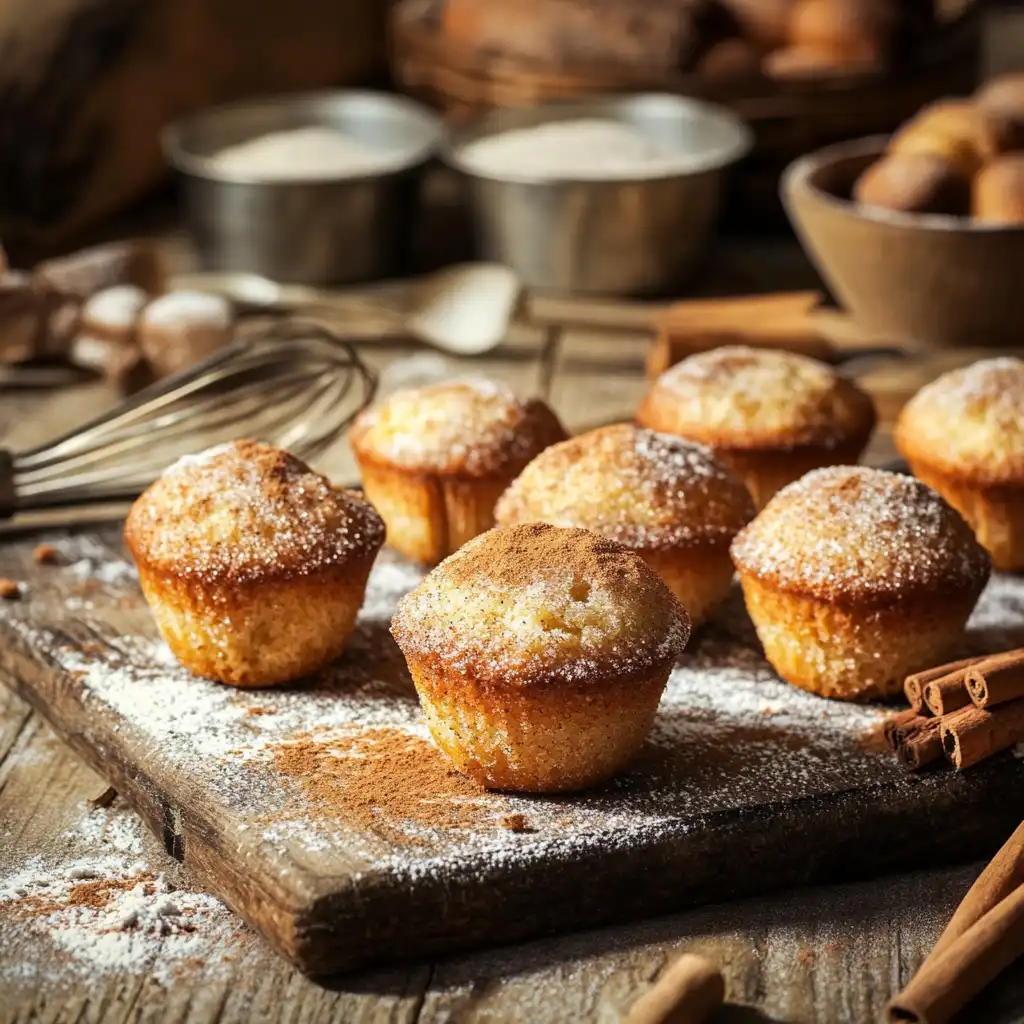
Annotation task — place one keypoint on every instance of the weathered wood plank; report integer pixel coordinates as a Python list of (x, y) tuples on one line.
[(44, 813), (331, 893), (823, 956)]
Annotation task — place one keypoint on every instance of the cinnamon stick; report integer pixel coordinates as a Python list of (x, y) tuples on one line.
[(972, 734), (947, 693), (997, 680), (922, 746), (948, 981), (913, 685), (897, 727), (1003, 873), (688, 991)]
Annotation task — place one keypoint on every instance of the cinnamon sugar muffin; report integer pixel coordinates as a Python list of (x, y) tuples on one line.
[(666, 498), (855, 578), (253, 565), (771, 416), (963, 435), (434, 460), (540, 655)]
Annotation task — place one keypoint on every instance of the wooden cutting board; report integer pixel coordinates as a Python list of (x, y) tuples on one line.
[(746, 785)]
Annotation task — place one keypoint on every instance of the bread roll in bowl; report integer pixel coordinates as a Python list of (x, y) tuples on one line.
[(253, 565), (963, 435), (914, 183), (540, 655), (998, 191), (952, 129), (664, 497), (854, 578), (770, 416), (1001, 102)]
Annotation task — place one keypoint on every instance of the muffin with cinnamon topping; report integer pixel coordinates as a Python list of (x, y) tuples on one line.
[(434, 460), (769, 415), (666, 498), (540, 655), (963, 434), (253, 565), (855, 578)]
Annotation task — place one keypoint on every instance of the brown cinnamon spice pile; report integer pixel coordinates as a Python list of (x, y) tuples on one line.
[(383, 779), (98, 892)]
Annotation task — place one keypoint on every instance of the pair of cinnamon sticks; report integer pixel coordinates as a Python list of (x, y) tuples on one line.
[(967, 710), (984, 936)]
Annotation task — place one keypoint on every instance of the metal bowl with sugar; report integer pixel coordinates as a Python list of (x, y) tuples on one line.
[(331, 217), (607, 228)]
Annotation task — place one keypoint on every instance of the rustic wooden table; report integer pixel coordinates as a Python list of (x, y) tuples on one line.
[(824, 955)]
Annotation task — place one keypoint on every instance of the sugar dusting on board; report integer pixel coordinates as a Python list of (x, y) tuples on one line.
[(101, 906), (729, 735)]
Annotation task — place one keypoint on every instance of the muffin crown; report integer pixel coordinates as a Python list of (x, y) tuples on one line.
[(969, 423), (857, 535), (247, 511), (751, 399), (474, 427), (632, 485), (537, 604)]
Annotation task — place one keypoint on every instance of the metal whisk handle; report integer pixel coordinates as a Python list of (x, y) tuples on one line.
[(8, 502)]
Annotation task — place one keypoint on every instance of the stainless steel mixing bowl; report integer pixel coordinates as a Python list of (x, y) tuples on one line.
[(309, 230), (616, 237)]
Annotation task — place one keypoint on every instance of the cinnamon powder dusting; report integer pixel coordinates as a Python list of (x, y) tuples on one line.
[(385, 780)]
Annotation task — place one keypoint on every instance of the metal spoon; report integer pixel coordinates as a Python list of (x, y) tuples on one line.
[(464, 309)]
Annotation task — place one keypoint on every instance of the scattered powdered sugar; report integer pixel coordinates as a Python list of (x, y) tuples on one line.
[(590, 148), (310, 152), (102, 907), (729, 736)]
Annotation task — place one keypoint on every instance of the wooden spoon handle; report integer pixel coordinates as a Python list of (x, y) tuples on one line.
[(793, 321)]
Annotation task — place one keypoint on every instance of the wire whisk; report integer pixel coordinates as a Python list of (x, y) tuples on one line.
[(293, 384)]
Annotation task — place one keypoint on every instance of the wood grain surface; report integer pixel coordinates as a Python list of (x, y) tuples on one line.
[(736, 761), (830, 955)]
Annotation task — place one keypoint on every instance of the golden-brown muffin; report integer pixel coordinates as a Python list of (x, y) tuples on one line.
[(854, 578), (963, 435), (998, 193), (914, 183), (666, 498), (434, 460), (952, 129), (253, 565), (540, 655), (770, 416)]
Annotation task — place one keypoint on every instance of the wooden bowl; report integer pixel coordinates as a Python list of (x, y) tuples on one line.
[(919, 278)]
